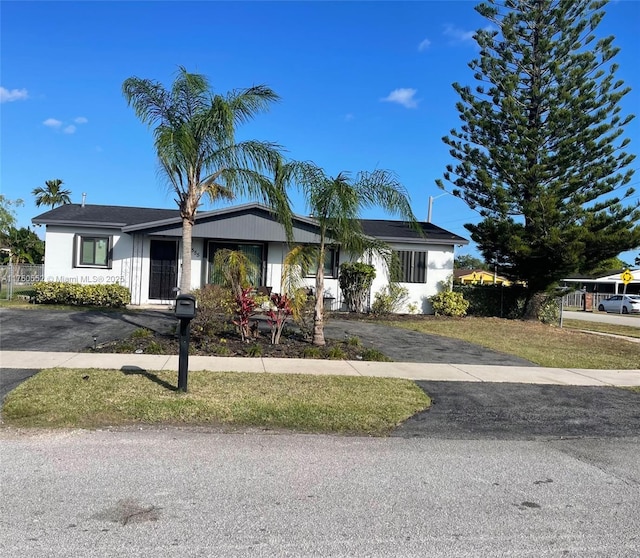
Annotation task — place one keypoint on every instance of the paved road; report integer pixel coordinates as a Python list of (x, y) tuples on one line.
[(617, 319), (179, 493)]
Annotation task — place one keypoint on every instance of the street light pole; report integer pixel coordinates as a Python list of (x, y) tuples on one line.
[(431, 198)]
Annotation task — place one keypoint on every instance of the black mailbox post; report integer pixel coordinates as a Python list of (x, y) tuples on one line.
[(185, 312)]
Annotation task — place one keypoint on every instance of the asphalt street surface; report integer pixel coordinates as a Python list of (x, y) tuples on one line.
[(505, 411), (187, 493)]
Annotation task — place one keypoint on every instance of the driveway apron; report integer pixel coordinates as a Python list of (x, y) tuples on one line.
[(403, 345)]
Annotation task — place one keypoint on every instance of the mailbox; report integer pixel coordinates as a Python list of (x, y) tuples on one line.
[(186, 306)]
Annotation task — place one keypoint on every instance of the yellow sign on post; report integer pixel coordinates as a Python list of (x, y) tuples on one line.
[(626, 277)]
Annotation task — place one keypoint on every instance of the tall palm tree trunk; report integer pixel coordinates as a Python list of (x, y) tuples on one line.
[(185, 276), (318, 311)]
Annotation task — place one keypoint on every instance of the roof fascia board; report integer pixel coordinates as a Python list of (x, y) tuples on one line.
[(76, 223), (424, 240)]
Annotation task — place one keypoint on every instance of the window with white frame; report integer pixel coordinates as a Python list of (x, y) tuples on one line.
[(92, 251), (411, 266)]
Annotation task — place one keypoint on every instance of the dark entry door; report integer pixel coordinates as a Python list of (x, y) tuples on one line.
[(163, 275)]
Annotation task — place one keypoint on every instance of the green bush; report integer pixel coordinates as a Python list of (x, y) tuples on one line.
[(493, 300), (336, 353), (504, 302), (374, 355), (389, 300), (214, 302), (550, 311), (254, 350), (76, 294), (449, 303), (311, 352), (355, 281)]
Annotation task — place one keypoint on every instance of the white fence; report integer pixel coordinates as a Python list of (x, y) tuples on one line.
[(15, 278), (576, 299)]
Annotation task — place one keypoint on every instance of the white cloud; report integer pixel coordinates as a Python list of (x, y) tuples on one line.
[(52, 123), (65, 127), (404, 97), (424, 45), (8, 95), (458, 35)]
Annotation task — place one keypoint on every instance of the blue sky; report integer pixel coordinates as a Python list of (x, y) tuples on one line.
[(364, 85)]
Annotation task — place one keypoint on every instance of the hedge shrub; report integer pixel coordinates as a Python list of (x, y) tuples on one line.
[(449, 303), (493, 300), (355, 281), (76, 294), (505, 302), (389, 299)]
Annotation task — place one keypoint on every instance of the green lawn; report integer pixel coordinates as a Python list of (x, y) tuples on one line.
[(541, 344), (95, 398)]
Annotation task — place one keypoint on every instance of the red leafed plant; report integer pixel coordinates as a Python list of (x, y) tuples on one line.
[(277, 315), (245, 306)]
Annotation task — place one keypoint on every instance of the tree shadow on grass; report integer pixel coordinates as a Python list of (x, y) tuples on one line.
[(136, 370)]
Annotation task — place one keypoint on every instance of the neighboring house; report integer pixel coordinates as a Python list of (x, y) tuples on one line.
[(479, 277), (610, 283), (140, 249)]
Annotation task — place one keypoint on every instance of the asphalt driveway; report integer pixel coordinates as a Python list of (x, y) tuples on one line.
[(41, 329), (73, 331), (506, 411)]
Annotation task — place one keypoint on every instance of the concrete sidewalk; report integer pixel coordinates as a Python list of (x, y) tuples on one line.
[(408, 370)]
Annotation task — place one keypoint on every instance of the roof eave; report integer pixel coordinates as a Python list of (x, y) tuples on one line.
[(76, 223), (424, 240)]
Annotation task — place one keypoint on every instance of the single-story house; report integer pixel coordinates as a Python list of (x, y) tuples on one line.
[(140, 248), (607, 283), (479, 277)]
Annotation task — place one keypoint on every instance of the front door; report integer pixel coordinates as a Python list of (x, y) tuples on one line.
[(163, 276)]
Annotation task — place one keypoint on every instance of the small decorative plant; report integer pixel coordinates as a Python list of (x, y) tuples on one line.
[(244, 308), (277, 315)]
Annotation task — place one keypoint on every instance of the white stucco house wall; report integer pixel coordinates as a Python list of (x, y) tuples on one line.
[(140, 248)]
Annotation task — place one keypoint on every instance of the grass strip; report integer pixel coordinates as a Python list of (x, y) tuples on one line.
[(536, 342), (93, 398), (614, 329)]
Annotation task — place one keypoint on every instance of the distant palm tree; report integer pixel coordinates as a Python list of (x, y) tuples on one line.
[(196, 147), (52, 194), (336, 203)]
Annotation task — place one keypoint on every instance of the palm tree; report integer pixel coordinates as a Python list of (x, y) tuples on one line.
[(336, 204), (51, 194), (194, 136)]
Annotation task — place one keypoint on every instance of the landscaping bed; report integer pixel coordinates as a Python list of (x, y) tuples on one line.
[(221, 338)]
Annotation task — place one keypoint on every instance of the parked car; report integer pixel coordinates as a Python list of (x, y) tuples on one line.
[(621, 303)]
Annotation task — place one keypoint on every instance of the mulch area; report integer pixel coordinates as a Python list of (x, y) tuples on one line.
[(221, 338)]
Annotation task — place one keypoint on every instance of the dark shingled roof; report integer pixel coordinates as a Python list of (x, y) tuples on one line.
[(401, 231), (115, 216), (118, 217)]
